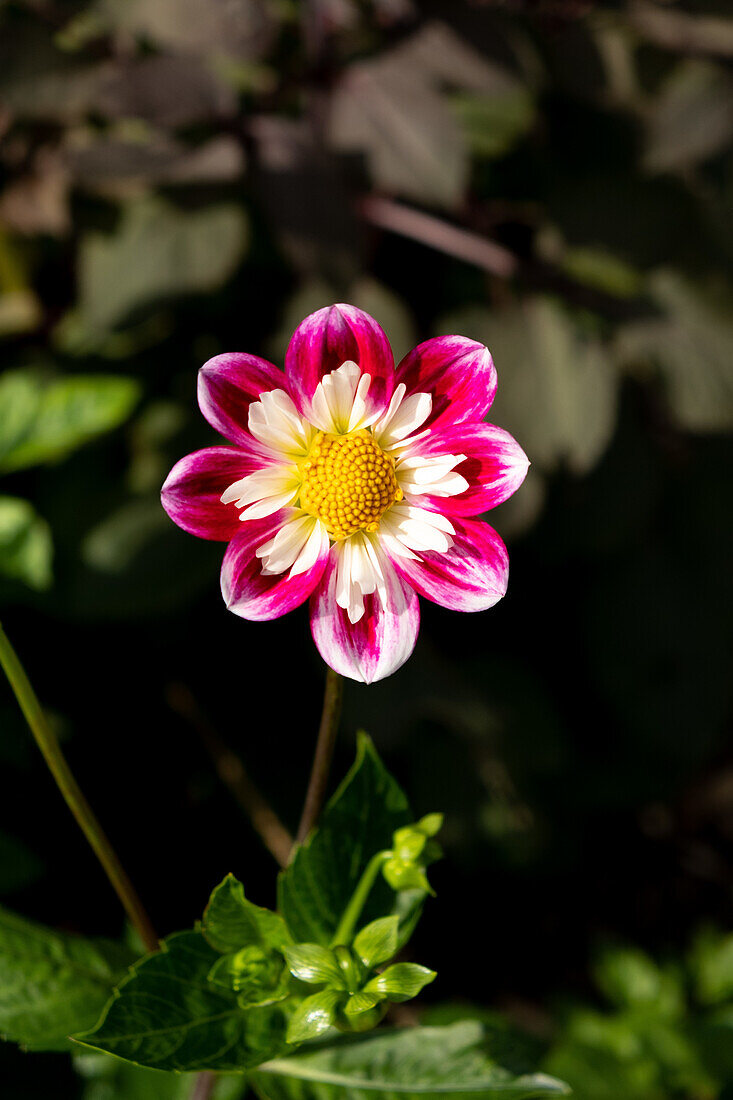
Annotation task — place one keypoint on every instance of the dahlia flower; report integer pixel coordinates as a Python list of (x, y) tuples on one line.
[(352, 482)]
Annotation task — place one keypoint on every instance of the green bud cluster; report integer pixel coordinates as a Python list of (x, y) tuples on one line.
[(413, 849), (353, 994)]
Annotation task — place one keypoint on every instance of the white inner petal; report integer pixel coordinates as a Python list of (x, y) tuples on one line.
[(297, 546), (360, 572), (403, 417), (435, 475), (339, 404), (263, 492), (406, 528), (275, 422)]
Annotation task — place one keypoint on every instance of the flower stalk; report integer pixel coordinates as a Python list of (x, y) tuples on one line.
[(72, 793), (318, 782)]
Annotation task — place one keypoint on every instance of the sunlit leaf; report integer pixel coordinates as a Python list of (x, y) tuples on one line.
[(26, 549), (52, 984), (157, 252), (449, 1061)]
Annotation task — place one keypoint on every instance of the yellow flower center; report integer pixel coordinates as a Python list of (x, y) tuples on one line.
[(348, 482)]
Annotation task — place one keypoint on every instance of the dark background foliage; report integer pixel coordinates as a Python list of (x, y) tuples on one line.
[(553, 177)]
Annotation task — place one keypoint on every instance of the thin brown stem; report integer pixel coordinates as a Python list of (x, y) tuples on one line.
[(203, 1086), (440, 235), (234, 775), (318, 782), (72, 793)]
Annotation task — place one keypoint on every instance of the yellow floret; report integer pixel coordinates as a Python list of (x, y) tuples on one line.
[(348, 482)]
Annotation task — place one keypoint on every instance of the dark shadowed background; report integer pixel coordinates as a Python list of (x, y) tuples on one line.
[(551, 177)]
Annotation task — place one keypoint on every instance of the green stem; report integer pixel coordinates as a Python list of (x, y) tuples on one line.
[(318, 783), (75, 800), (347, 925)]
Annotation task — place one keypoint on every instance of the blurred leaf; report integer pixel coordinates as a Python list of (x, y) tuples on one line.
[(165, 90), (691, 343), (110, 164), (212, 27), (166, 1015), (19, 866), (494, 124), (110, 1079), (157, 252), (691, 117), (26, 549), (52, 984), (394, 109), (557, 387), (358, 822), (69, 412), (449, 1061), (628, 977), (711, 962)]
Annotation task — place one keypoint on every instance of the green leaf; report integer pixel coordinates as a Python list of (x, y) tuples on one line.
[(312, 963), (362, 1002), (157, 252), (401, 982), (70, 412), (52, 984), (358, 822), (378, 941), (19, 400), (314, 1015), (629, 978), (712, 966), (231, 921), (451, 1061), (26, 548), (166, 1015)]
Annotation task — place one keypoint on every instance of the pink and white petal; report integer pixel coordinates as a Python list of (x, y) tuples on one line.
[(191, 492), (228, 384), (334, 335), (257, 596), (471, 576), (493, 465), (382, 639), (458, 373)]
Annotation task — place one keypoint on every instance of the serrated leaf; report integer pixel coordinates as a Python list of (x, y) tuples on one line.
[(401, 982), (310, 962), (378, 941), (231, 921), (51, 983), (450, 1061), (358, 822), (166, 1015), (314, 1015), (157, 252), (26, 548), (70, 412)]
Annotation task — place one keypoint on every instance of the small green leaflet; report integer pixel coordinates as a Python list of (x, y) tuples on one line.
[(42, 421), (166, 1015), (358, 822), (422, 1061), (52, 984), (231, 921)]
